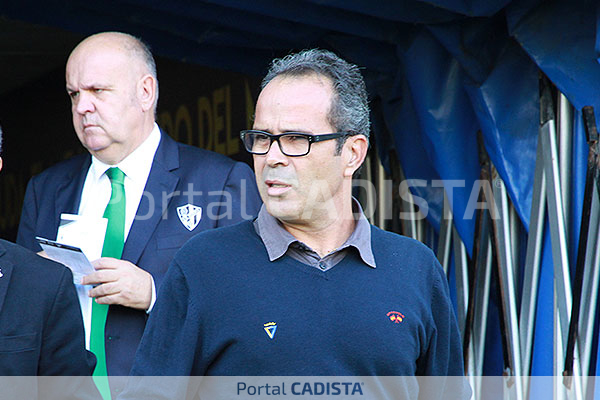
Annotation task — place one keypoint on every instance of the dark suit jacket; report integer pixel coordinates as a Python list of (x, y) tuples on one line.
[(41, 331), (180, 175)]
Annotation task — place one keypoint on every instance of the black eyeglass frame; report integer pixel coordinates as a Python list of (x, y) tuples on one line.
[(310, 137)]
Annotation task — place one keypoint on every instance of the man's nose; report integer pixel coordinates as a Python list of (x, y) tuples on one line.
[(275, 156), (84, 103)]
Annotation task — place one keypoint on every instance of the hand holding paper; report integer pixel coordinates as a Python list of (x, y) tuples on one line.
[(117, 281), (120, 282)]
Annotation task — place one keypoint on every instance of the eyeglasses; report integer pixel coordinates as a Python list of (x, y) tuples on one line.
[(292, 144)]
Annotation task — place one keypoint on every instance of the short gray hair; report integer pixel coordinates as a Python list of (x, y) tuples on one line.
[(141, 50), (135, 48), (349, 110)]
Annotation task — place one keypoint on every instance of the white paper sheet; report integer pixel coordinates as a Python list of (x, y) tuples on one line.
[(70, 256), (84, 232)]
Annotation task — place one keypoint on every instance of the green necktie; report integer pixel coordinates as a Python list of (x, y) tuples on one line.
[(113, 247)]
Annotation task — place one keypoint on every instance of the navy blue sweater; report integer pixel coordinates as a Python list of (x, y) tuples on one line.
[(225, 309)]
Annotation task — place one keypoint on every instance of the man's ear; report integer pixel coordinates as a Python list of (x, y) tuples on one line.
[(356, 150), (0, 163), (146, 92)]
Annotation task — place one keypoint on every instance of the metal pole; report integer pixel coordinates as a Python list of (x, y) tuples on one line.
[(443, 250), (589, 293), (420, 226), (381, 198), (533, 262), (507, 281), (592, 173), (476, 349), (555, 210), (462, 279), (396, 200), (429, 234), (560, 258), (564, 120), (514, 224), (482, 296), (565, 139), (480, 247), (409, 225)]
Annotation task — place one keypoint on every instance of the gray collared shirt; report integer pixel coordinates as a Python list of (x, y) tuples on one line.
[(280, 242)]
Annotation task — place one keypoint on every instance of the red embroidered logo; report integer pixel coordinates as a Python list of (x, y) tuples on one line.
[(395, 316)]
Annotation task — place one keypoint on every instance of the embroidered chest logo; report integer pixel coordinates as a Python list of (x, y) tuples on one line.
[(189, 215), (395, 316), (1, 274), (270, 328)]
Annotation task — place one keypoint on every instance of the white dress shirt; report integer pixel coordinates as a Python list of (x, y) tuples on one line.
[(96, 195)]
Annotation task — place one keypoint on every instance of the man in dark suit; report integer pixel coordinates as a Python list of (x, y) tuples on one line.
[(172, 191), (41, 331)]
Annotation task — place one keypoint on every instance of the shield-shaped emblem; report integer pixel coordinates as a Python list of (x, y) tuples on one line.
[(189, 215)]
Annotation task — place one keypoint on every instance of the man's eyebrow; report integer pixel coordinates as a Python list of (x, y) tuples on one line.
[(295, 130), (88, 86)]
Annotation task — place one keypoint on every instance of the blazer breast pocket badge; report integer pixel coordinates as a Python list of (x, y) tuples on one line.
[(189, 215)]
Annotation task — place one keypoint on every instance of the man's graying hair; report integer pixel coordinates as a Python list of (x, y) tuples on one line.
[(137, 49), (141, 50), (349, 107)]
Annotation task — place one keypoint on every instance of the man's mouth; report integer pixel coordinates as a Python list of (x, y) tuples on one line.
[(276, 188)]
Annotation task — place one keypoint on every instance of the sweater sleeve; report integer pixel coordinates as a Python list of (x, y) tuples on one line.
[(443, 360), (170, 339), (169, 345)]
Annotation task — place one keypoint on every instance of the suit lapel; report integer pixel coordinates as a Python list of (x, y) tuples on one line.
[(68, 192), (6, 267), (161, 182)]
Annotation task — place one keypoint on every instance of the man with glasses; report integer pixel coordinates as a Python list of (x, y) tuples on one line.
[(309, 287)]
